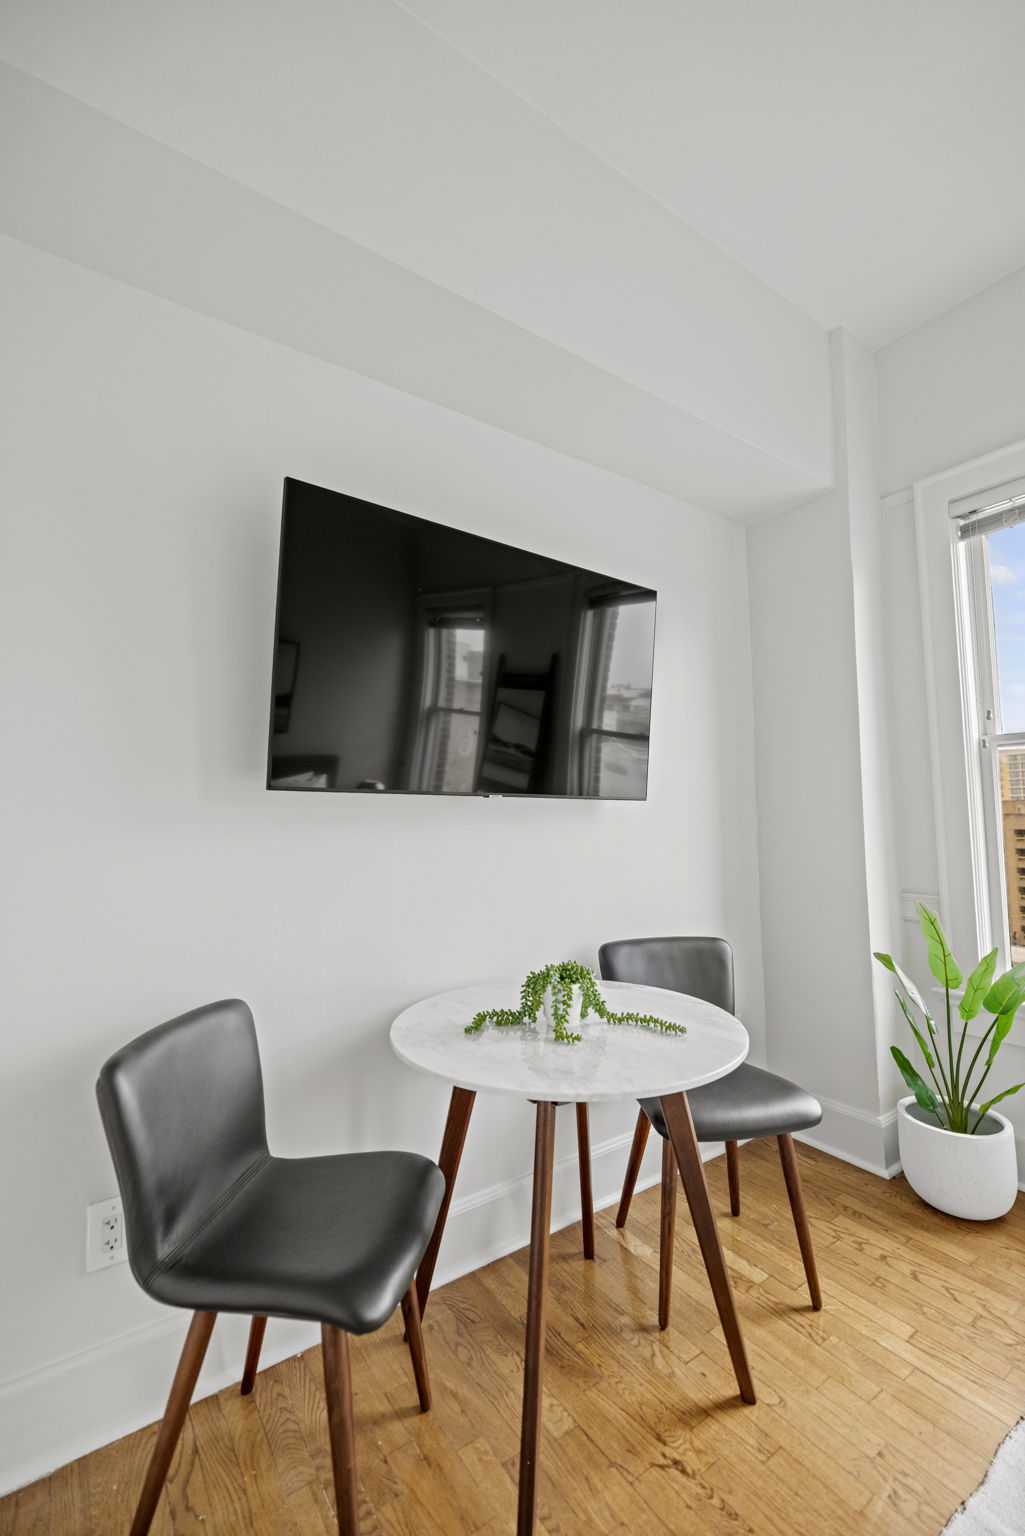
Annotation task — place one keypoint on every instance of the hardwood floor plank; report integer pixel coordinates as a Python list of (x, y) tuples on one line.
[(32, 1509)]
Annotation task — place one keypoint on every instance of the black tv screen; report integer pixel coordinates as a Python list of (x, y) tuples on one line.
[(414, 658)]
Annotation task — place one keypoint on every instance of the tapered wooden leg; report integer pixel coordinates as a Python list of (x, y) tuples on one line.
[(537, 1291), (733, 1175), (182, 1388), (338, 1390), (456, 1126), (667, 1233), (681, 1133), (415, 1339), (586, 1196), (792, 1175), (633, 1167), (257, 1329)]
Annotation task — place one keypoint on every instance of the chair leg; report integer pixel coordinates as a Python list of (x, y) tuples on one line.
[(338, 1389), (257, 1329), (792, 1175), (733, 1175), (667, 1232), (633, 1167), (182, 1388), (586, 1196), (415, 1340)]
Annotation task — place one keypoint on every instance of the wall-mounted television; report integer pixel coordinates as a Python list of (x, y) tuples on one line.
[(415, 658)]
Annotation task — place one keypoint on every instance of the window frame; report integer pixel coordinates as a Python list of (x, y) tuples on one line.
[(965, 776)]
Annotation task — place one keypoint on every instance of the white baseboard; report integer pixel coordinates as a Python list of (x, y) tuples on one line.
[(51, 1416), (856, 1136), (870, 1141)]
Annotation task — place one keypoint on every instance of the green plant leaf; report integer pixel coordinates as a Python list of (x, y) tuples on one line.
[(922, 1044), (941, 962), (1005, 1018), (984, 1109), (977, 985), (996, 998), (921, 1090), (905, 980)]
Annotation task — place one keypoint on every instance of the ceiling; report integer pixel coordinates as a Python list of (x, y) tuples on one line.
[(618, 228), (864, 160)]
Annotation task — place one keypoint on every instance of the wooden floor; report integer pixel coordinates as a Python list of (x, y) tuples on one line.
[(879, 1414)]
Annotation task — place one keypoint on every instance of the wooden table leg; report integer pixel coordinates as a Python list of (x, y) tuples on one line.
[(537, 1291), (633, 1166), (678, 1120), (456, 1126), (586, 1195), (667, 1233)]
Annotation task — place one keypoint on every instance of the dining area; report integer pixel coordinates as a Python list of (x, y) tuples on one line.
[(625, 1370), (218, 1224)]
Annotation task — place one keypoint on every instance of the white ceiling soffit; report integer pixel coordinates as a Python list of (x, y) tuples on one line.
[(359, 118), (83, 187), (863, 158)]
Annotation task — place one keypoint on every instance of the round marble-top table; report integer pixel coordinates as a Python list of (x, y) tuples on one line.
[(612, 1061)]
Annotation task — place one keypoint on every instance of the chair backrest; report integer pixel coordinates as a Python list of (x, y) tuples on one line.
[(183, 1110), (698, 966)]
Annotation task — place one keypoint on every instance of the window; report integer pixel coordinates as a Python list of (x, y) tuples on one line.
[(991, 572), (968, 635), (615, 694)]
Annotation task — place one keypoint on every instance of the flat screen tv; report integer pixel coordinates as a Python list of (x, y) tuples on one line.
[(414, 658)]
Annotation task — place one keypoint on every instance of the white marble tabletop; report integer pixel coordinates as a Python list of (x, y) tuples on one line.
[(612, 1061)]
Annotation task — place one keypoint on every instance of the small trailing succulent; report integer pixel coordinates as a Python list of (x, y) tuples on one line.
[(953, 1098), (562, 978)]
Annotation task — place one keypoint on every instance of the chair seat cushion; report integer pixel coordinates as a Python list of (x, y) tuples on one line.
[(748, 1102), (329, 1239)]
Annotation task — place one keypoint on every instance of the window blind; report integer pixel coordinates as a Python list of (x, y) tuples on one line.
[(1001, 514)]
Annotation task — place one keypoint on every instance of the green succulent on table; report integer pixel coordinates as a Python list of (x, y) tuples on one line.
[(953, 1096), (562, 977)]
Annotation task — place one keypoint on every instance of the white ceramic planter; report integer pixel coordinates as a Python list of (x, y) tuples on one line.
[(974, 1177), (574, 1023)]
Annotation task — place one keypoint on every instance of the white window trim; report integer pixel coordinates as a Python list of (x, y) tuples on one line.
[(965, 854)]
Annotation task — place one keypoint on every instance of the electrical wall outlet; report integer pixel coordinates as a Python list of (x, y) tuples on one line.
[(104, 1235)]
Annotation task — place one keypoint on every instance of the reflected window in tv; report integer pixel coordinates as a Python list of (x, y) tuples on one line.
[(452, 640), (415, 658), (619, 635)]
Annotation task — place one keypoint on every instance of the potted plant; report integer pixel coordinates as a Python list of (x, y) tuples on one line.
[(957, 1152), (566, 993)]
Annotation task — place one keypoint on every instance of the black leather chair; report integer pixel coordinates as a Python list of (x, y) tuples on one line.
[(214, 1223), (746, 1103)]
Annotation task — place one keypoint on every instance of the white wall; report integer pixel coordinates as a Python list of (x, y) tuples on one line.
[(822, 761), (949, 392), (955, 388), (148, 868)]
